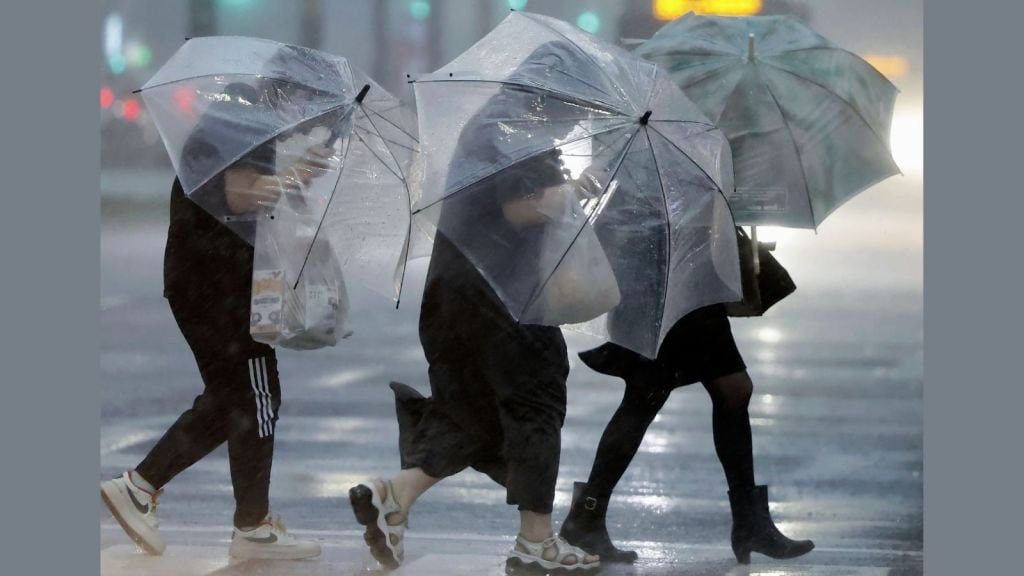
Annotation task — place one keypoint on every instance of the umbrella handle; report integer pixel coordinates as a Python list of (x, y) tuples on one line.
[(757, 255), (750, 47)]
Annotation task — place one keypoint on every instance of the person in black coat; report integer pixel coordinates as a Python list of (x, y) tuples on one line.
[(208, 271), (498, 394)]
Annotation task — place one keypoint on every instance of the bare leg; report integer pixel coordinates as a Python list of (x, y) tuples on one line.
[(409, 485), (535, 527)]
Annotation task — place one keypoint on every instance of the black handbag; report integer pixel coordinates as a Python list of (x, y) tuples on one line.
[(761, 290)]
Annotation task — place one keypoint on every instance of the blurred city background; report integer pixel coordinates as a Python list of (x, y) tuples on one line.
[(837, 367)]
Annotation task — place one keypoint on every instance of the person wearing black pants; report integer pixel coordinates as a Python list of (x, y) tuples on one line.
[(699, 348), (242, 392), (208, 271), (498, 394)]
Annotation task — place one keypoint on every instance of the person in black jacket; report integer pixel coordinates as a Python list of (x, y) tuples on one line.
[(207, 279), (498, 394)]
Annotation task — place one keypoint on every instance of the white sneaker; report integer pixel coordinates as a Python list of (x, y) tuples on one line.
[(270, 541), (135, 510)]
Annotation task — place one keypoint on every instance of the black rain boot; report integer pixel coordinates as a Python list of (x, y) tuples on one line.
[(585, 527), (613, 360), (754, 531)]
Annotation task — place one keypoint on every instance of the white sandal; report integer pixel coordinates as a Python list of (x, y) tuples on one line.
[(529, 554), (372, 509)]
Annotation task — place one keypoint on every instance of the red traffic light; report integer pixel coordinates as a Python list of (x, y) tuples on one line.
[(130, 109), (106, 97)]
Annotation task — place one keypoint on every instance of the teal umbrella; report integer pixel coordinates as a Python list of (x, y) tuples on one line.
[(808, 121)]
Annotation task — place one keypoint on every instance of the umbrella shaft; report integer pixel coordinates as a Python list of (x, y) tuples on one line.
[(757, 255)]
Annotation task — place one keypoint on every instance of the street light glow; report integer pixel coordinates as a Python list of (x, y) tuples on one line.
[(891, 66), (419, 9), (672, 9), (589, 21)]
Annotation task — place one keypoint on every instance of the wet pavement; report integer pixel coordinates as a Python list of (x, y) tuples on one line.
[(836, 416)]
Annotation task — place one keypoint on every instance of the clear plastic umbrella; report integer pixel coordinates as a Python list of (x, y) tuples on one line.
[(808, 122), (240, 97), (568, 169)]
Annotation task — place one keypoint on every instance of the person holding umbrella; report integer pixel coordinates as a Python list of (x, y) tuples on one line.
[(517, 254), (698, 348), (807, 123), (207, 274), (498, 387)]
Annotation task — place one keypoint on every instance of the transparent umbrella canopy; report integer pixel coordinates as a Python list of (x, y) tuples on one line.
[(246, 100), (604, 146)]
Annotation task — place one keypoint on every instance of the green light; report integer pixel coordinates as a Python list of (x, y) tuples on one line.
[(117, 63), (589, 21), (138, 55), (419, 9), (517, 4)]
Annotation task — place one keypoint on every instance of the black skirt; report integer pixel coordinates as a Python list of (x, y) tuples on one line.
[(700, 347)]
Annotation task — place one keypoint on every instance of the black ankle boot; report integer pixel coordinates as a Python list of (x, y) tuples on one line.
[(613, 360), (585, 527), (754, 531)]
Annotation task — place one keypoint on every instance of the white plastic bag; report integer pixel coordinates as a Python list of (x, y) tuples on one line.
[(304, 316), (582, 285)]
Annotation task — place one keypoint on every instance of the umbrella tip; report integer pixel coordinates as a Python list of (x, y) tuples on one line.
[(362, 93), (137, 90), (645, 118)]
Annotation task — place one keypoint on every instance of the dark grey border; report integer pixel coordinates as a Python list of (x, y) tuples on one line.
[(973, 313), (50, 422)]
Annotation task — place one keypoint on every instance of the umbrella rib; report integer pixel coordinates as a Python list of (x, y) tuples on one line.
[(687, 155), (668, 231), (214, 75), (381, 160), (408, 196), (323, 217), (829, 92), (539, 152), (551, 274), (388, 140), (401, 282), (577, 46), (673, 121), (796, 149), (397, 163), (397, 127)]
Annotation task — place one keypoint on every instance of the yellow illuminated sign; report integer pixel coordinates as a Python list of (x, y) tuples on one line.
[(672, 9), (890, 66)]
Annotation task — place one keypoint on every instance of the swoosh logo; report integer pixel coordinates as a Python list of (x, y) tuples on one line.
[(265, 540), (142, 508)]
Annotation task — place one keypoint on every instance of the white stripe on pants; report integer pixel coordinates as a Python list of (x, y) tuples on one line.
[(264, 406)]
